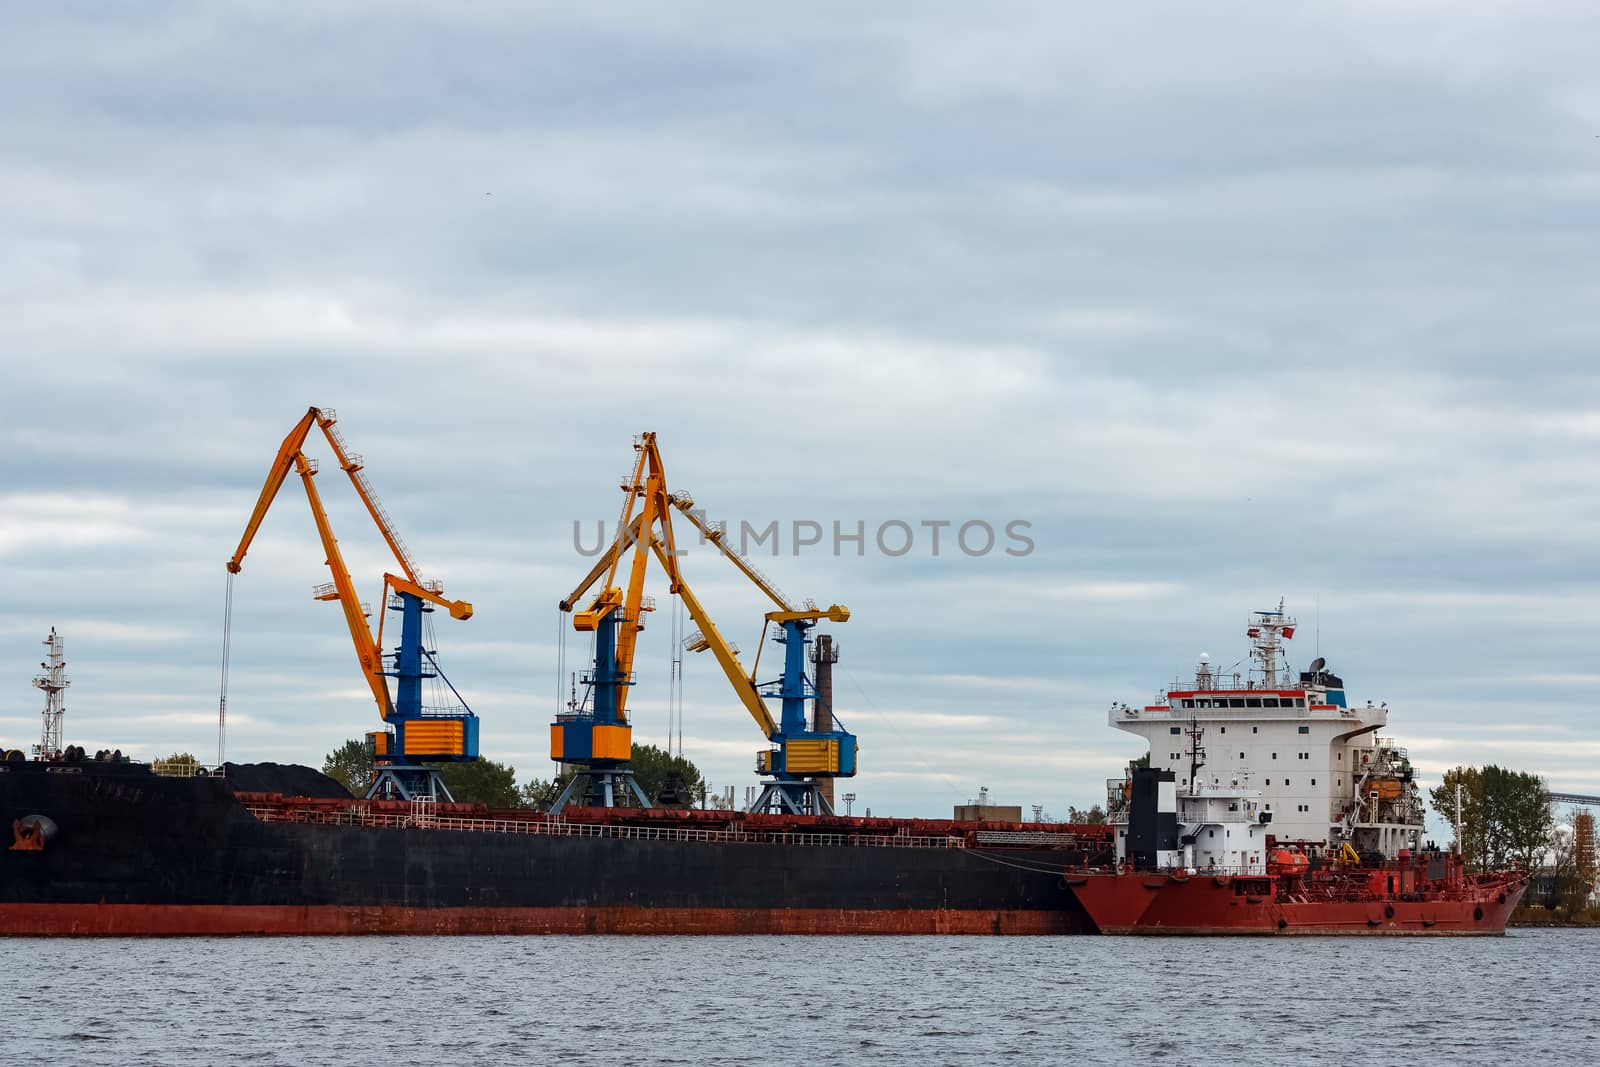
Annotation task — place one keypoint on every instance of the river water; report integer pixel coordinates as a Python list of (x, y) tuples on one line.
[(925, 1001)]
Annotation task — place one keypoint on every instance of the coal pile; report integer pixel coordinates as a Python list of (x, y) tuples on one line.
[(290, 779)]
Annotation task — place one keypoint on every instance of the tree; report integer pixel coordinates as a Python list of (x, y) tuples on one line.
[(1470, 834), (1571, 875), (1506, 816), (652, 767), (1094, 816), (177, 765), (482, 781), (539, 793), (1518, 810), (351, 766)]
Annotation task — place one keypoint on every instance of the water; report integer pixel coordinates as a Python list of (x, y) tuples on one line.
[(815, 1001)]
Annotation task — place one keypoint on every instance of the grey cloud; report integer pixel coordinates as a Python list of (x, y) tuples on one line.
[(1229, 304)]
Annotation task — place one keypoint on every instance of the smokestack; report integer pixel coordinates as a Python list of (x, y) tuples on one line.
[(825, 656)]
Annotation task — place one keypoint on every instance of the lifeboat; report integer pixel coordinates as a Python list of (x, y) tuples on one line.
[(1285, 861), (1386, 788)]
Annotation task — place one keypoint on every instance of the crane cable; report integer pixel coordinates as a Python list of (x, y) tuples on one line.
[(675, 677), (677, 654), (561, 656), (222, 695)]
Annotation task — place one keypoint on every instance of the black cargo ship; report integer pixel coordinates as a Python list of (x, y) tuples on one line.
[(113, 849)]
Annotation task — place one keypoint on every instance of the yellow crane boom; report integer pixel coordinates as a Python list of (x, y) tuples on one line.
[(726, 657), (290, 457)]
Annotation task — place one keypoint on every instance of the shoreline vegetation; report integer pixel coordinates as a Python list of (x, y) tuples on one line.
[(1533, 915)]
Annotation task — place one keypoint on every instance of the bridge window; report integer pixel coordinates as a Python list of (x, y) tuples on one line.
[(1188, 703), (1252, 702), (1299, 702), (1236, 702), (1269, 702)]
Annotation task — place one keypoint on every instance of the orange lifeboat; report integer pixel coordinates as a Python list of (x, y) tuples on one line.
[(1386, 788), (1284, 862)]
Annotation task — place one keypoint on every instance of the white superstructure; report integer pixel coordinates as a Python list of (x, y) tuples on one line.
[(1321, 771)]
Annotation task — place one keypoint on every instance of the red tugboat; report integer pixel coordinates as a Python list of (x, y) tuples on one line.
[(1327, 843)]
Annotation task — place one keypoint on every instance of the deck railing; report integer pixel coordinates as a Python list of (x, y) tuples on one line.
[(559, 828)]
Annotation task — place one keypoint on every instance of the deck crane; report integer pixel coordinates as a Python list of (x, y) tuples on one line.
[(595, 735), (415, 735)]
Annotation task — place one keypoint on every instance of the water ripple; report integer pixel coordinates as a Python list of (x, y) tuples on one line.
[(918, 1002)]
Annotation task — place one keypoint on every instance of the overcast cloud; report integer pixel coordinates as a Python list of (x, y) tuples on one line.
[(1257, 301)]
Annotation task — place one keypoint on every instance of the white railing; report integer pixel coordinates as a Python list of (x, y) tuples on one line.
[(559, 828), (184, 769), (1025, 837), (1208, 714)]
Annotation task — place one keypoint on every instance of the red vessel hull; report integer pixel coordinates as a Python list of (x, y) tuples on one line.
[(1116, 902), (1144, 903), (148, 920)]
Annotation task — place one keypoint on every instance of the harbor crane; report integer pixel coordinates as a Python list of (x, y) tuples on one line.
[(416, 735), (594, 735)]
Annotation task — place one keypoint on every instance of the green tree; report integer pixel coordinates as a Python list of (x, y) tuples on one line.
[(1470, 835), (1094, 816), (351, 766), (1518, 810), (1506, 816), (652, 767), (539, 793), (482, 781), (177, 765)]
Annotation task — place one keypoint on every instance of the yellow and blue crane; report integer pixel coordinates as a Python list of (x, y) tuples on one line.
[(594, 735), (416, 735)]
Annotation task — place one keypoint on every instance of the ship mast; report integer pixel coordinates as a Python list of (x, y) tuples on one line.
[(53, 680), (1267, 632), (1197, 755)]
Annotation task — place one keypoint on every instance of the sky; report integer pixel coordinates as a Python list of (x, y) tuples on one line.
[(1229, 305)]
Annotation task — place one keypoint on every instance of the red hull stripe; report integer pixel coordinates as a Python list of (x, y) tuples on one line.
[(162, 920)]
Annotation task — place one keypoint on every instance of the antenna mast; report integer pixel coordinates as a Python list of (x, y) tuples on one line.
[(1267, 632), (1197, 755), (53, 680)]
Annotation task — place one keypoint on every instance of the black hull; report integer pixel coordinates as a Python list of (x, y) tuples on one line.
[(136, 853)]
